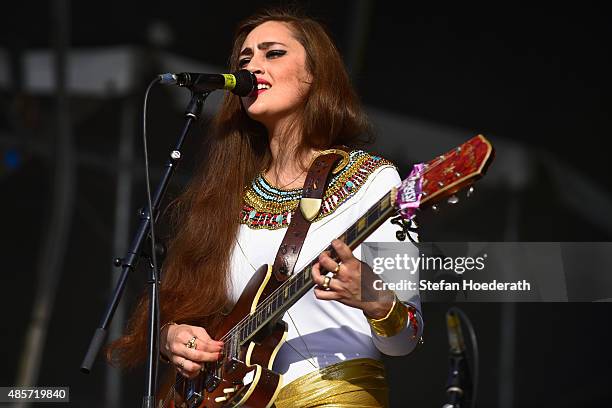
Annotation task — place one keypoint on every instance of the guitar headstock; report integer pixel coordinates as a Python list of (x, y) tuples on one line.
[(442, 177)]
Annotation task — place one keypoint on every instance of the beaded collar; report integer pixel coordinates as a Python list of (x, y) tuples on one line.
[(266, 206)]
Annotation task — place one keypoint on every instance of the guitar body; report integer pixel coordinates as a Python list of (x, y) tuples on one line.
[(247, 379)]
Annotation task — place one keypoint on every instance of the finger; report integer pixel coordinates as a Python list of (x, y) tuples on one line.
[(319, 278), (186, 373), (203, 341), (186, 366), (207, 352), (323, 294), (198, 356), (315, 272), (342, 250), (202, 334), (205, 344), (203, 356), (333, 285), (327, 263)]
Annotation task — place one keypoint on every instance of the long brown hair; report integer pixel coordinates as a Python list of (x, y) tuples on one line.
[(205, 218)]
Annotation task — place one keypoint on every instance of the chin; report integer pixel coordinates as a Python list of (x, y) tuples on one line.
[(257, 115), (259, 112)]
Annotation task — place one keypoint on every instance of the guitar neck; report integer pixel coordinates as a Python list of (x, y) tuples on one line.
[(289, 292)]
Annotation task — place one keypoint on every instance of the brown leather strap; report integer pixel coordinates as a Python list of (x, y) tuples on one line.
[(314, 187)]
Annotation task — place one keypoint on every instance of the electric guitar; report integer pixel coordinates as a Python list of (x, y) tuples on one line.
[(254, 331)]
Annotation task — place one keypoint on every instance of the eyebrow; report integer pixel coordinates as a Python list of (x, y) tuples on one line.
[(261, 46)]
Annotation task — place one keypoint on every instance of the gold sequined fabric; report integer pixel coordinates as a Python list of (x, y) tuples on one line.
[(358, 383)]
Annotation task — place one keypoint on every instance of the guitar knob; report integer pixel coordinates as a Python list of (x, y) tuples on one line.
[(470, 192), (453, 199)]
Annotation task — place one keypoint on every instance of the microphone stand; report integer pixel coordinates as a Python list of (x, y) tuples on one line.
[(459, 383), (130, 260)]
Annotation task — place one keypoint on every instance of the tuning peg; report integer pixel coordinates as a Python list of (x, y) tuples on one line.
[(435, 208), (470, 192), (229, 390), (453, 199)]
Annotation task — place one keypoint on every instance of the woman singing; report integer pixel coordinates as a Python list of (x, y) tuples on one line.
[(233, 215)]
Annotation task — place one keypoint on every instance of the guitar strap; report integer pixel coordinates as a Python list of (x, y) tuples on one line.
[(308, 209)]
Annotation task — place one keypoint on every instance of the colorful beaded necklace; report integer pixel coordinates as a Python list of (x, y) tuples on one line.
[(266, 206)]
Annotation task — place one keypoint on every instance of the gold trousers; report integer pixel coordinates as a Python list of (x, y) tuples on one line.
[(357, 383)]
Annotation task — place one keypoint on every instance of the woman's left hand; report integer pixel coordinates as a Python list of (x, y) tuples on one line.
[(351, 284)]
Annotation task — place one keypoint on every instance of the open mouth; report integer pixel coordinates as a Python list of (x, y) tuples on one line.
[(261, 87)]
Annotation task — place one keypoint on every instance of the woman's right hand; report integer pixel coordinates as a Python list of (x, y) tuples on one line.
[(175, 342)]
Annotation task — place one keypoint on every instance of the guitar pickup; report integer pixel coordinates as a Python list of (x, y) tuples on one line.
[(211, 382)]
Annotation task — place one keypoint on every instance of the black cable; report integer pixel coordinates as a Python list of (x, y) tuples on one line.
[(155, 270), (468, 323)]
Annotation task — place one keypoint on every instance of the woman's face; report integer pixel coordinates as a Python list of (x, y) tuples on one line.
[(278, 61)]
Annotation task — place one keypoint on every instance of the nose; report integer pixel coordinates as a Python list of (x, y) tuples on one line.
[(254, 69), (255, 65)]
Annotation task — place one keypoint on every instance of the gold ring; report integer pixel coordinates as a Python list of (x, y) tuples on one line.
[(337, 268), (191, 343), (181, 364), (326, 282)]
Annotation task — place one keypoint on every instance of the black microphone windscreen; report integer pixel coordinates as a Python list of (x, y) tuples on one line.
[(245, 82)]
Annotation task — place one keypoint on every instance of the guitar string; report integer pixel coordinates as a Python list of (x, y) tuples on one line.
[(304, 342)]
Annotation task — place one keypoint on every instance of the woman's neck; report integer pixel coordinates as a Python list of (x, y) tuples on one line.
[(286, 170)]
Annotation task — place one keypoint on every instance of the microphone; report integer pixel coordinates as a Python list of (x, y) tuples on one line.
[(241, 83), (459, 384)]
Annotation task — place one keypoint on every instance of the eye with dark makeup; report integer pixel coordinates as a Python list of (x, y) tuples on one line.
[(270, 54), (275, 53)]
